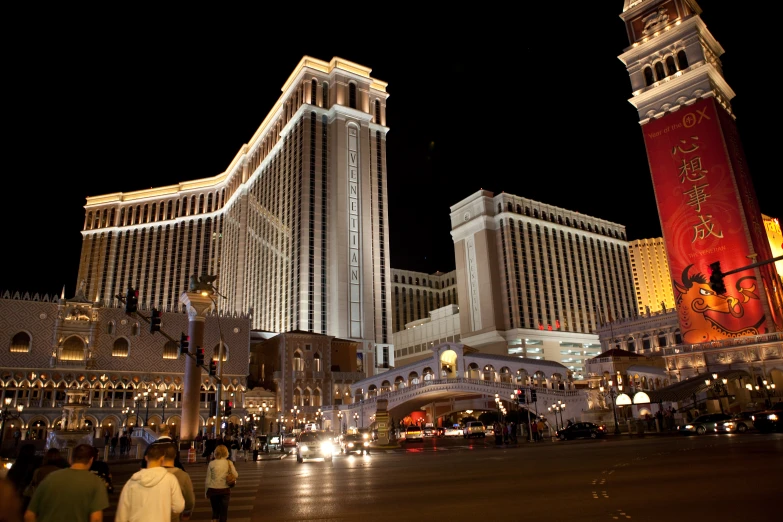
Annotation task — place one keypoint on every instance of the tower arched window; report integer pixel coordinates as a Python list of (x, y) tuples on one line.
[(201, 204), (209, 202), (682, 60), (20, 343), (120, 348), (325, 95), (648, 76), (352, 95), (317, 362), (670, 67), (659, 73), (378, 111), (298, 363)]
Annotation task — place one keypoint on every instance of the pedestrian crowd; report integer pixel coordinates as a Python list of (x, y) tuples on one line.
[(48, 488)]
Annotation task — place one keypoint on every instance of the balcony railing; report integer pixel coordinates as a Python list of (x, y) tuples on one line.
[(724, 343)]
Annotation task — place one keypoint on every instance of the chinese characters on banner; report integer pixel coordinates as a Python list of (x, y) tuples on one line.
[(702, 221)]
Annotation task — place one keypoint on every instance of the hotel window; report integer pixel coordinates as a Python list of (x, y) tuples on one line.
[(670, 67), (648, 76), (659, 74), (682, 60), (135, 329), (121, 348), (171, 350), (110, 328), (377, 111), (20, 343), (298, 363), (325, 95), (352, 95), (317, 362), (216, 350), (313, 91)]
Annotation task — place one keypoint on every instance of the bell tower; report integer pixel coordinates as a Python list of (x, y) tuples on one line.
[(705, 197)]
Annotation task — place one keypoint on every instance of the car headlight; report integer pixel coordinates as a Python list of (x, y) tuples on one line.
[(8, 465), (366, 444), (772, 417), (728, 425), (350, 444), (302, 448), (326, 447), (689, 426), (753, 417)]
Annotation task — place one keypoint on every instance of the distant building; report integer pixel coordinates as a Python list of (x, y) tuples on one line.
[(55, 344), (417, 339), (651, 276), (416, 294), (296, 228)]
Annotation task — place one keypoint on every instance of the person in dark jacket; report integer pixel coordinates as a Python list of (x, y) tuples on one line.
[(164, 438), (22, 471)]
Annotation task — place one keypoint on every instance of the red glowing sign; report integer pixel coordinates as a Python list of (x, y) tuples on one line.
[(702, 222)]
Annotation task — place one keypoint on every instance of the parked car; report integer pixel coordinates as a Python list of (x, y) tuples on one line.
[(311, 445), (704, 424), (769, 420), (581, 430), (738, 423), (474, 429), (414, 434), (355, 443)]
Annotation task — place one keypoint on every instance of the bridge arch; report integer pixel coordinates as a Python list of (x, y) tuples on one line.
[(448, 364), (413, 378), (399, 383), (505, 374), (473, 371), (489, 373), (428, 374)]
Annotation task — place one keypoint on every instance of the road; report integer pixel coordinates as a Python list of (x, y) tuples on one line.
[(652, 478)]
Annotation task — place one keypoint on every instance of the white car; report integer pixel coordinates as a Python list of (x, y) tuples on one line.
[(452, 432)]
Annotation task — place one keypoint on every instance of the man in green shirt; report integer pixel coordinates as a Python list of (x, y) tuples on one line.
[(74, 494)]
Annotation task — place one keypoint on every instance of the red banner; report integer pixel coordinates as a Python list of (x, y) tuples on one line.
[(702, 222)]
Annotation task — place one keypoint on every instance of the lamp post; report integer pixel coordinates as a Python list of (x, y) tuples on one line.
[(145, 398), (718, 387), (769, 391), (319, 417), (356, 419), (5, 416), (497, 403), (340, 421), (554, 409), (126, 412), (295, 413), (162, 400), (263, 410), (611, 393)]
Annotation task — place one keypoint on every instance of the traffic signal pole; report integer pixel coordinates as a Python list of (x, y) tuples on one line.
[(197, 306)]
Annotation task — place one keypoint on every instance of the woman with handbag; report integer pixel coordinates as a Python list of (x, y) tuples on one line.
[(221, 477)]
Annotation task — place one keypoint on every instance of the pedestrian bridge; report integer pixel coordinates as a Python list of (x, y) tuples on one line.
[(455, 377), (457, 394)]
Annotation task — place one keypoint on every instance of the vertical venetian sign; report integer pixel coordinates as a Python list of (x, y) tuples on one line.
[(353, 232), (701, 220)]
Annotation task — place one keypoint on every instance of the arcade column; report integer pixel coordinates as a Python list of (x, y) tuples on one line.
[(197, 306)]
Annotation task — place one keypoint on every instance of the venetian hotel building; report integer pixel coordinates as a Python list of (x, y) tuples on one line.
[(296, 228)]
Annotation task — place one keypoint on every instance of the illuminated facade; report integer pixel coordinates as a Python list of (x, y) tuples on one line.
[(296, 228), (536, 280), (705, 197), (772, 226), (651, 276), (416, 294)]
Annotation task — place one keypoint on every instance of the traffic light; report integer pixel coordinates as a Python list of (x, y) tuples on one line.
[(532, 395), (227, 410), (184, 342), (131, 300), (200, 356), (212, 408), (716, 278), (155, 320), (519, 395), (212, 368)]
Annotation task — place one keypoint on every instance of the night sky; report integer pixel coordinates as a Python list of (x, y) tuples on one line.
[(532, 102)]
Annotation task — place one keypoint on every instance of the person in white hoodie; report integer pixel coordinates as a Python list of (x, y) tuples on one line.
[(152, 494)]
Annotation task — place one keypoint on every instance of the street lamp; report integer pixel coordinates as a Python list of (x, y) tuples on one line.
[(162, 401), (611, 393), (356, 419), (319, 417), (497, 403), (145, 398), (263, 411), (718, 387), (5, 416), (295, 413), (769, 390), (340, 420), (554, 409)]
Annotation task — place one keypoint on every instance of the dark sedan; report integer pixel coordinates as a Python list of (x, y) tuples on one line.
[(769, 420), (355, 443), (581, 430)]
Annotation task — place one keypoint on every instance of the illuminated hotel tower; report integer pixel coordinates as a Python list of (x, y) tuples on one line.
[(531, 271), (706, 200), (651, 277), (296, 227)]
